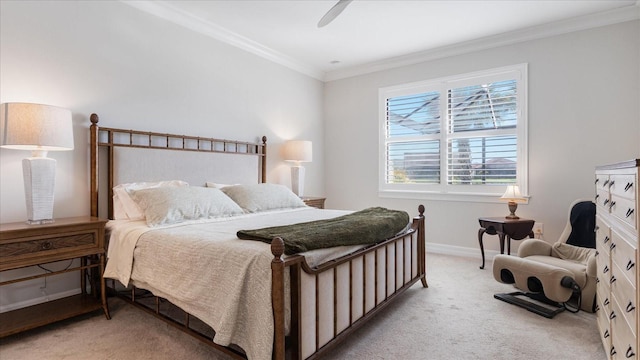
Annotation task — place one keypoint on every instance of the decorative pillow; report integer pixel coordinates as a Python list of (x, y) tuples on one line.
[(170, 205), (261, 197), (123, 200)]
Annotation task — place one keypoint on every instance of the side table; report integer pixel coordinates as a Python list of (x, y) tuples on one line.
[(317, 202), (23, 245), (516, 229)]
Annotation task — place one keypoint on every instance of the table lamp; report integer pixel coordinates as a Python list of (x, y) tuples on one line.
[(39, 128), (513, 196), (297, 151)]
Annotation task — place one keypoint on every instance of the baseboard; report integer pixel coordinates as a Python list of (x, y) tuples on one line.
[(38, 300)]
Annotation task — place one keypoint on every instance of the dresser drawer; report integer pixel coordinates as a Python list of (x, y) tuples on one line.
[(624, 209), (603, 237), (602, 181), (623, 185), (624, 255), (623, 338), (603, 278), (602, 200), (603, 289), (604, 326), (624, 295)]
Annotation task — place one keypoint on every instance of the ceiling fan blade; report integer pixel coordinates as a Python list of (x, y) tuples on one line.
[(333, 12)]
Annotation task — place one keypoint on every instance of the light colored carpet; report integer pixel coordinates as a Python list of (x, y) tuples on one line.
[(455, 318)]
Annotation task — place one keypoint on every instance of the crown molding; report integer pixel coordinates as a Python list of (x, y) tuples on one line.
[(623, 14), (168, 12), (171, 13)]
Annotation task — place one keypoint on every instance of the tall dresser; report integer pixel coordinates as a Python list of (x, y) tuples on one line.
[(617, 233)]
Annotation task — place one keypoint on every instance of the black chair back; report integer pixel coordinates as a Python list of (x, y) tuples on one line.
[(583, 223)]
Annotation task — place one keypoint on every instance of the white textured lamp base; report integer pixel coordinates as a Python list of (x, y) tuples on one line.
[(39, 182), (297, 180)]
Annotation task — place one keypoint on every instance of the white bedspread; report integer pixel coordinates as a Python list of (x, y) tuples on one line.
[(203, 268)]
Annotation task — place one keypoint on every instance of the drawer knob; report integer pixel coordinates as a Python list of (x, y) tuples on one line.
[(628, 186), (46, 245), (630, 265), (613, 279), (629, 212), (606, 333), (597, 180), (613, 351), (612, 246), (613, 203), (630, 352), (606, 201), (605, 270), (606, 301), (611, 183), (606, 239), (612, 315), (630, 307), (605, 183)]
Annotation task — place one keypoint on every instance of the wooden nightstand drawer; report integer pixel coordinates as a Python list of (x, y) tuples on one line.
[(25, 245), (37, 246), (317, 202)]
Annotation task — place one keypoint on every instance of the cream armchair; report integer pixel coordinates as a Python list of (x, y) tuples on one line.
[(558, 276)]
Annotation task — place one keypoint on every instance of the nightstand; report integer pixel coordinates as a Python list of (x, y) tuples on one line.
[(516, 229), (317, 202), (23, 245)]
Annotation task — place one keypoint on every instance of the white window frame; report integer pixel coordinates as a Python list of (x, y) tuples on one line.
[(456, 192)]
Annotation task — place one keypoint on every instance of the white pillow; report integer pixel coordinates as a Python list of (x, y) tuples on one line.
[(261, 197), (118, 209), (121, 193), (170, 205)]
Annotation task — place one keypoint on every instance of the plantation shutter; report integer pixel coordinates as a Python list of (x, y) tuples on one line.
[(481, 134), (412, 126)]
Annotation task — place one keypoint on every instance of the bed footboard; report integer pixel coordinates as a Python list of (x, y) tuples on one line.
[(332, 300)]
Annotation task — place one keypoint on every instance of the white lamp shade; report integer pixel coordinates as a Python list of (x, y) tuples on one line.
[(36, 127), (512, 194), (298, 151)]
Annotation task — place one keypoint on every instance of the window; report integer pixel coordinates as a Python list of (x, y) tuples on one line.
[(462, 135)]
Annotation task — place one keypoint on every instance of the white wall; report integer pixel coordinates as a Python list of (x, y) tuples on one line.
[(584, 110), (138, 71)]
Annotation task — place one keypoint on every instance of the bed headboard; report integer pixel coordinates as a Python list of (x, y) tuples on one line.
[(122, 156)]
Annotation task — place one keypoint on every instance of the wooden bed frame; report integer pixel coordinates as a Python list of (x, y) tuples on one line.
[(358, 285)]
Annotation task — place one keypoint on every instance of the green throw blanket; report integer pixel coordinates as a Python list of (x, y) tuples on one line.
[(367, 226)]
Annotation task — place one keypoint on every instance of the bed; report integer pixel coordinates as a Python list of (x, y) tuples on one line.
[(267, 305)]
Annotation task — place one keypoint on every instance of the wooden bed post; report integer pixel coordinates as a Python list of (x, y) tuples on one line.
[(277, 298), (93, 158), (421, 243)]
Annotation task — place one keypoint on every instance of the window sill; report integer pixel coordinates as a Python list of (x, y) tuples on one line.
[(439, 196)]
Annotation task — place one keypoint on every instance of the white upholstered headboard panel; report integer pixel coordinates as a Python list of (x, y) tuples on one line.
[(123, 156), (196, 168)]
